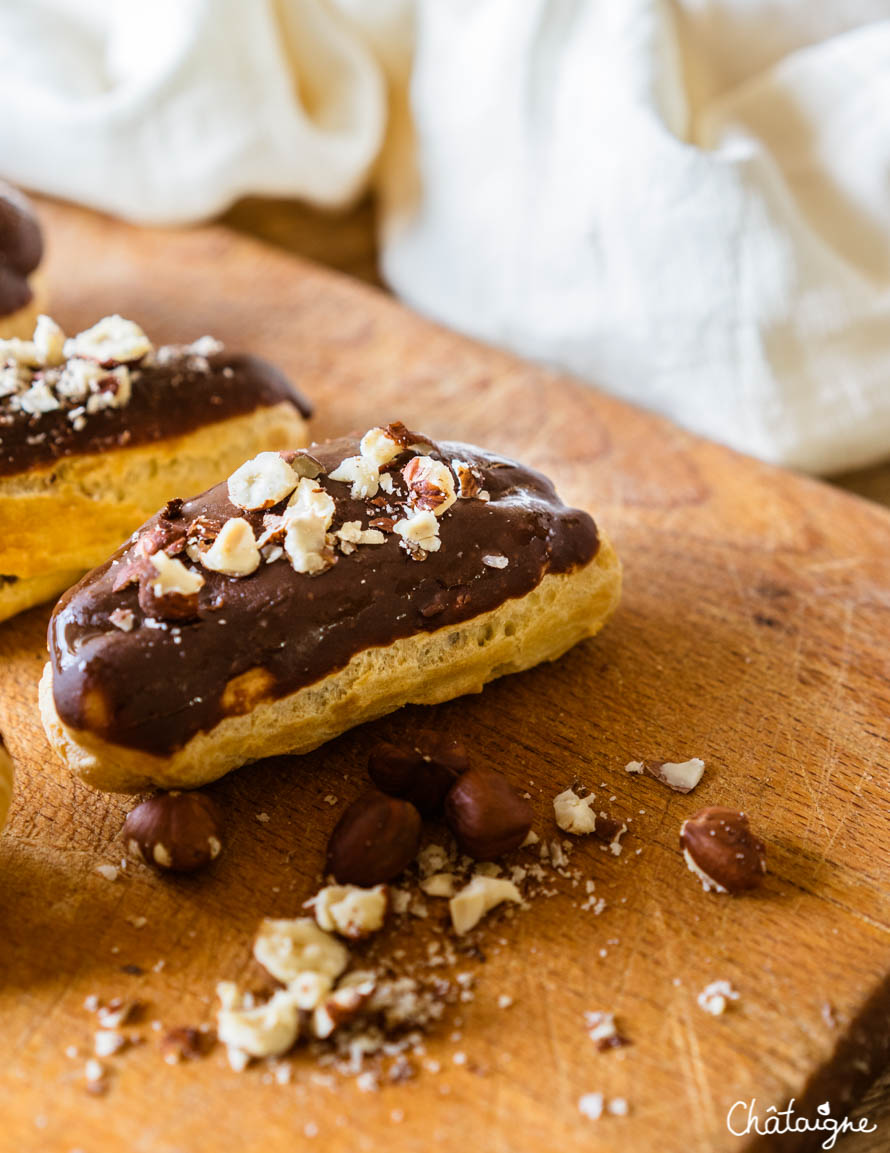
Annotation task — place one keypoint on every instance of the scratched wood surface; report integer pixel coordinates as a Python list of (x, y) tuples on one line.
[(752, 633)]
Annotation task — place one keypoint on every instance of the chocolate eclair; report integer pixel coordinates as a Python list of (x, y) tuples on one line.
[(312, 591), (98, 430), (22, 293)]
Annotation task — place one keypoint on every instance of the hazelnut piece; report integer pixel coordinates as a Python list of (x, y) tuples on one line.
[(486, 814), (719, 847), (374, 840), (422, 773), (175, 831)]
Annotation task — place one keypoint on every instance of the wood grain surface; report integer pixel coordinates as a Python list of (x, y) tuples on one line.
[(752, 633)]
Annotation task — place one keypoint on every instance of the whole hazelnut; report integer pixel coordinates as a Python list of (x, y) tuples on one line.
[(175, 831), (374, 840), (421, 772), (719, 847), (486, 814)]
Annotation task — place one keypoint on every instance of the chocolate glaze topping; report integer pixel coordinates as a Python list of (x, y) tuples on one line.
[(162, 682), (21, 249), (169, 399)]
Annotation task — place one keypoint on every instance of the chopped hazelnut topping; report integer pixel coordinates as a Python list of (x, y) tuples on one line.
[(107, 1042), (682, 776), (495, 560), (262, 1030), (379, 447), (439, 885), (361, 473), (308, 517), (173, 577), (591, 1106), (288, 948), (419, 532), (603, 1031), (467, 478), (350, 534), (113, 340), (351, 910), (479, 897), (123, 619), (430, 484), (118, 1012), (38, 399), (19, 352), (310, 989), (94, 1073), (261, 482), (574, 814), (342, 1006), (49, 342), (85, 375), (715, 997), (234, 552)]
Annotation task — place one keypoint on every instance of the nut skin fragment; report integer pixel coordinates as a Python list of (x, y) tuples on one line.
[(486, 814), (421, 773), (721, 850), (374, 840), (180, 832), (182, 1043)]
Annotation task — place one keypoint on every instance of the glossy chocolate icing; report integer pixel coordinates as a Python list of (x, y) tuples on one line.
[(21, 249), (167, 400), (162, 685)]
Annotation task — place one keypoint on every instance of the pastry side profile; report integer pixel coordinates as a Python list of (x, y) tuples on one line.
[(311, 592), (22, 291), (98, 430)]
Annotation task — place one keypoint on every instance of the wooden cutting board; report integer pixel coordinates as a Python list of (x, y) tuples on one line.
[(753, 633)]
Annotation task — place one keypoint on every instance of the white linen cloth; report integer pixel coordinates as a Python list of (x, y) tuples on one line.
[(686, 203)]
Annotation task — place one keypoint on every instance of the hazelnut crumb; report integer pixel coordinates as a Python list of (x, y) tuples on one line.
[(716, 997)]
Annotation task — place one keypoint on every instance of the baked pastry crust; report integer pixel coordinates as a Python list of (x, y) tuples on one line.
[(316, 652)]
